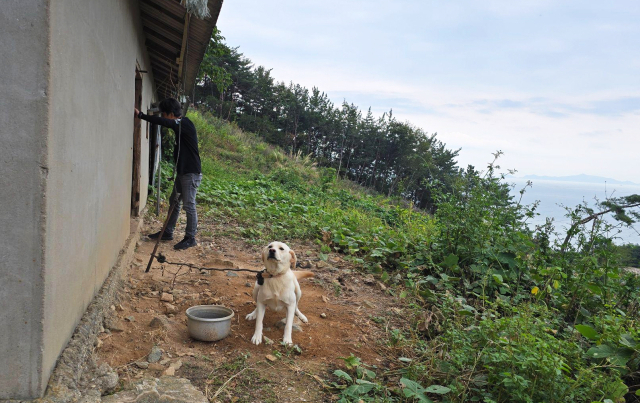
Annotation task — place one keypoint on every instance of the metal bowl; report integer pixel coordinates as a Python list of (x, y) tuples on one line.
[(209, 322)]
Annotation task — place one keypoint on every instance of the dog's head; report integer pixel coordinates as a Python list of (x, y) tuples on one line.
[(278, 258)]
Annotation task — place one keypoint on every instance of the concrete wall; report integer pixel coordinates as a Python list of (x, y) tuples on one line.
[(66, 104), (94, 48), (24, 47)]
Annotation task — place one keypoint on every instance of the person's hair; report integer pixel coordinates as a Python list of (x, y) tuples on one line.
[(170, 105)]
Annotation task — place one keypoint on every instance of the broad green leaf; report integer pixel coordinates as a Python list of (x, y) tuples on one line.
[(469, 308), (351, 361), (621, 356), (426, 294), (341, 374), (601, 351), (498, 278), (405, 359), (617, 390), (369, 374), (594, 288), (432, 280), (629, 341), (451, 260), (587, 331), (358, 389), (508, 258), (414, 390), (441, 390)]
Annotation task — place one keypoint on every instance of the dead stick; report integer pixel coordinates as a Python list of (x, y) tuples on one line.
[(228, 380), (164, 227)]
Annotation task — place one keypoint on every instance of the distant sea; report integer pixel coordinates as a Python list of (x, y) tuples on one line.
[(553, 193)]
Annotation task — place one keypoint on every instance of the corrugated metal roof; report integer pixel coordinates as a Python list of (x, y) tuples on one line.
[(163, 24)]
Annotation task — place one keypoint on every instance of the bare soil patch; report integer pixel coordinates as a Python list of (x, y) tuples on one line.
[(348, 312)]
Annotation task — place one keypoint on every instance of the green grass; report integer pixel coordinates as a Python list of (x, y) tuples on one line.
[(270, 195)]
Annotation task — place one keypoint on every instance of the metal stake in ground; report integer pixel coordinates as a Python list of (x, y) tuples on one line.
[(164, 227)]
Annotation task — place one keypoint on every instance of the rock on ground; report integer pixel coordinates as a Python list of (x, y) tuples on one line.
[(155, 354), (106, 379), (296, 324), (160, 322), (164, 389)]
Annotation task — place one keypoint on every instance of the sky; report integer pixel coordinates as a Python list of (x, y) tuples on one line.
[(555, 85)]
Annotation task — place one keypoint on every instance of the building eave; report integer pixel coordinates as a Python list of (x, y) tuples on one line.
[(176, 43)]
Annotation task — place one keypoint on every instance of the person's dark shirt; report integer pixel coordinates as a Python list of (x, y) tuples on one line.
[(189, 161)]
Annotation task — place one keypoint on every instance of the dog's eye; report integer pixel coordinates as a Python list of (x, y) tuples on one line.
[(269, 246), (281, 248)]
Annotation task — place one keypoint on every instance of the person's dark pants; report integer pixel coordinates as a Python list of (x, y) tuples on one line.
[(186, 186)]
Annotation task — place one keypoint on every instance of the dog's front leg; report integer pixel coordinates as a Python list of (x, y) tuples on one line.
[(291, 311), (252, 315), (257, 335)]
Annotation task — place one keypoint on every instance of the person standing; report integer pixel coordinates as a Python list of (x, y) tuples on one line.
[(186, 157)]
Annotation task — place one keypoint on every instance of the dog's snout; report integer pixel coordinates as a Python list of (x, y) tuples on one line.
[(272, 251)]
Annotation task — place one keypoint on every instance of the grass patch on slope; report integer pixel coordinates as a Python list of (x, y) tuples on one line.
[(271, 195)]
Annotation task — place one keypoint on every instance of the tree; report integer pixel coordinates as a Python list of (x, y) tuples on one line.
[(395, 158), (624, 209)]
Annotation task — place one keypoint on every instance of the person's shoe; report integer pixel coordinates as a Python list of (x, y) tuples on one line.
[(186, 243), (167, 236)]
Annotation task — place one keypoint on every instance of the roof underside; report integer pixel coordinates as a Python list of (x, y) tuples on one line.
[(169, 35)]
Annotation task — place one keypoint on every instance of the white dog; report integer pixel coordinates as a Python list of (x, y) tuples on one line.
[(280, 289)]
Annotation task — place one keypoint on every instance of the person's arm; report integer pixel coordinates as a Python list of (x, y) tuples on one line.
[(158, 120)]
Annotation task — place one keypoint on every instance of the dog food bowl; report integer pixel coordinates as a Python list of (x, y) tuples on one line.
[(209, 322)]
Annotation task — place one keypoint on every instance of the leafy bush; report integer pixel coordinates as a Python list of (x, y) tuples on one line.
[(516, 356)]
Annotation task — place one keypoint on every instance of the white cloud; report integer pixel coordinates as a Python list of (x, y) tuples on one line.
[(554, 85)]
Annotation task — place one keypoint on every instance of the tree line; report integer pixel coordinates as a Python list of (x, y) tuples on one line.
[(393, 157)]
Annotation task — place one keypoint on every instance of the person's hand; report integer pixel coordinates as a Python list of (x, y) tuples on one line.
[(136, 112)]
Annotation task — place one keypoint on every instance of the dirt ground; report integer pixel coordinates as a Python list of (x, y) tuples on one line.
[(348, 312)]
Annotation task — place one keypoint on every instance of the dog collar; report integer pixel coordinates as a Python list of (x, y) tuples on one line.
[(264, 274)]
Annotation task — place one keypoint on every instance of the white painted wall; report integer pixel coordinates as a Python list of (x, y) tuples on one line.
[(94, 48), (66, 107)]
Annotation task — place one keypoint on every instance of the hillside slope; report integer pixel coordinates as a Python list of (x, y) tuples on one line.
[(476, 306)]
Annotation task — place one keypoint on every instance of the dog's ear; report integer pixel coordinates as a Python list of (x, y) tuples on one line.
[(294, 259), (264, 253)]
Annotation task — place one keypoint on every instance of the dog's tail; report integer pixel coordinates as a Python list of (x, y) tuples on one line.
[(300, 274)]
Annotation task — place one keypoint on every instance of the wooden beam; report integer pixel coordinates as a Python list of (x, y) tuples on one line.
[(137, 147), (167, 19), (185, 36), (164, 70), (160, 37), (152, 46), (156, 25)]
